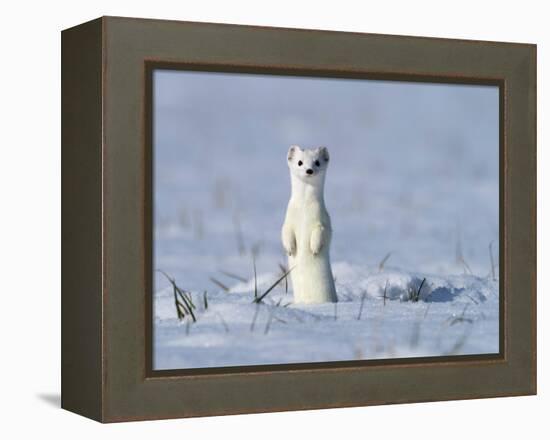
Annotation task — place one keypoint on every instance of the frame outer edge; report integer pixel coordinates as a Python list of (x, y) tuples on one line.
[(533, 77), (81, 216)]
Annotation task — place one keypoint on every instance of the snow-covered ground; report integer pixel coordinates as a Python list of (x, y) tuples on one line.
[(456, 315), (413, 174)]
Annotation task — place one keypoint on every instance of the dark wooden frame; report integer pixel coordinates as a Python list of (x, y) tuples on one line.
[(107, 219)]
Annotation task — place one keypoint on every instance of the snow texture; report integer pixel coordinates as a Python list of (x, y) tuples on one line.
[(413, 174)]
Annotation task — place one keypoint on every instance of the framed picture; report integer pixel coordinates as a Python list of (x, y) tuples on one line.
[(264, 219)]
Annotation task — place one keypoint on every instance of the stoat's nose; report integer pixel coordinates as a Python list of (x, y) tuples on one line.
[(309, 171)]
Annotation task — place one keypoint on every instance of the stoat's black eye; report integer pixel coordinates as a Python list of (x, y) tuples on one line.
[(317, 163), (300, 163)]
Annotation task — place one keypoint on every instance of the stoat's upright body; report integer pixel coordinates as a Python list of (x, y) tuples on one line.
[(307, 230)]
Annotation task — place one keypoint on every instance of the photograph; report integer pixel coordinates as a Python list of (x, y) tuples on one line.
[(303, 220)]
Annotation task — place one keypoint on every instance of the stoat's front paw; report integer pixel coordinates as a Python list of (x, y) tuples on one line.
[(316, 245), (289, 243), (316, 240)]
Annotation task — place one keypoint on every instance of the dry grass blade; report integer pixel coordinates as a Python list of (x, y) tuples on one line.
[(260, 298), (383, 262), (466, 266), (225, 326), (168, 277), (427, 310), (269, 320), (234, 276), (205, 300), (461, 318), (459, 344), (253, 323), (283, 270), (420, 288), (188, 305), (363, 296), (385, 293), (190, 298), (459, 254), (182, 308), (241, 248), (255, 278), (219, 284), (414, 295), (187, 297)]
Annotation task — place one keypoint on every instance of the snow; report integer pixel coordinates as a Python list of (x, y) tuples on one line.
[(456, 315), (413, 174)]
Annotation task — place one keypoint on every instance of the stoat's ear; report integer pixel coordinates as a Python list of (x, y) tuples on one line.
[(323, 151), (292, 151)]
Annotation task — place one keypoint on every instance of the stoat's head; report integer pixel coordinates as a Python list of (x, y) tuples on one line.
[(309, 165)]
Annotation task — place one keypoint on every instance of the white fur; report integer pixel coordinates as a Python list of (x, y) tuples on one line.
[(307, 230)]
